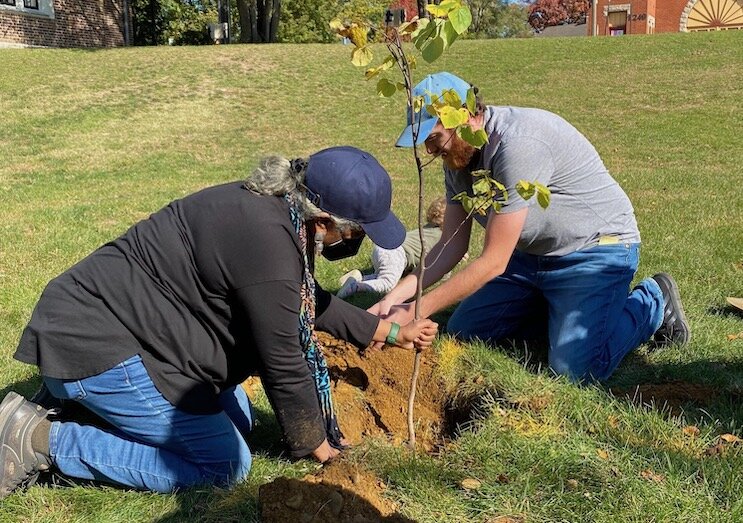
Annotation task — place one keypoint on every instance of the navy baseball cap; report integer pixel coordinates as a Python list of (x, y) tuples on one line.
[(434, 84), (350, 183)]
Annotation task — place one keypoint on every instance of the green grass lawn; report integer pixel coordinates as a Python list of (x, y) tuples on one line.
[(92, 141)]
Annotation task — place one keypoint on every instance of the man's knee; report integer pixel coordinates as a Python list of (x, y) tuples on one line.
[(578, 371)]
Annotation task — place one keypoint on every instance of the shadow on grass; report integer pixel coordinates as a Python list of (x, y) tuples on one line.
[(704, 392)]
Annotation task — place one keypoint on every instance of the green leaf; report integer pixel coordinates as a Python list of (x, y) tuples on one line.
[(452, 118), (525, 189), (424, 32), (476, 139), (471, 101), (386, 88), (449, 34), (412, 61), (460, 19), (543, 195), (400, 86), (433, 49), (481, 186), (361, 56)]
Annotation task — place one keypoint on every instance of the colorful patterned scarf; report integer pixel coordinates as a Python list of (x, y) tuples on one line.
[(307, 337)]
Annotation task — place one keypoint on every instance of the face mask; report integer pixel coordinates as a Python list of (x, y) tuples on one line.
[(342, 249)]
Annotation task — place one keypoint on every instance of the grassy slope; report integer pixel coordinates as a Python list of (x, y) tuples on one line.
[(91, 141)]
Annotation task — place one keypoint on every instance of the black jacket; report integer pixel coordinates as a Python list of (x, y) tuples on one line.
[(207, 291)]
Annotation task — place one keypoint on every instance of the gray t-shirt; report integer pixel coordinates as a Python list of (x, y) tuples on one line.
[(586, 203)]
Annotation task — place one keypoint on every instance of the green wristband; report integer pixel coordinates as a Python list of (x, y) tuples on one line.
[(392, 336)]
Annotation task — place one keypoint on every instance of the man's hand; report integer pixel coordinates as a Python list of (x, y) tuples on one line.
[(325, 452), (402, 314), (381, 308)]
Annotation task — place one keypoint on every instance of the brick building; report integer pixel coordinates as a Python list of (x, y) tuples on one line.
[(620, 17), (64, 23)]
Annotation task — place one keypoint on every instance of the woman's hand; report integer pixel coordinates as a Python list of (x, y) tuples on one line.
[(418, 333), (325, 452)]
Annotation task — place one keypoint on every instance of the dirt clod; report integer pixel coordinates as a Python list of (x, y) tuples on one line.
[(339, 492)]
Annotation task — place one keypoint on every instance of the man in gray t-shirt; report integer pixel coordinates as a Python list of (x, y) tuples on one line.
[(563, 271)]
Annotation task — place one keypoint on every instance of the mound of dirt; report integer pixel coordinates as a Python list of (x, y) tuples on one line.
[(672, 395), (339, 492), (371, 393)]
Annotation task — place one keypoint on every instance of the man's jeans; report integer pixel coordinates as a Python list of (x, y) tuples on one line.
[(578, 300), (154, 446)]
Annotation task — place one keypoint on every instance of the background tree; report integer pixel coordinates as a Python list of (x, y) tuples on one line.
[(259, 20), (498, 19), (156, 22), (545, 13)]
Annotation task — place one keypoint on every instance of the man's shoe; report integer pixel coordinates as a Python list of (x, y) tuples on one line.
[(21, 464), (675, 328)]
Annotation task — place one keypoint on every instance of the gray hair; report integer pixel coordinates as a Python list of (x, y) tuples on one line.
[(277, 176)]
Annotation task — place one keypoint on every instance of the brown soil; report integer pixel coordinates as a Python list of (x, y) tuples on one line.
[(672, 395), (370, 393), (340, 492)]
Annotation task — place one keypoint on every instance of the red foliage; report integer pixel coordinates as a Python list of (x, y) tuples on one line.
[(544, 13), (410, 6)]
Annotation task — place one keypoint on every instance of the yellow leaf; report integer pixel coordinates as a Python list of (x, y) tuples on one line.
[(451, 117), (602, 454), (691, 431), (613, 422), (732, 337), (730, 438), (652, 476), (470, 484), (357, 34), (336, 24), (361, 56)]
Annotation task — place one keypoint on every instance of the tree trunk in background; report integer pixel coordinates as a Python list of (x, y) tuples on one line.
[(275, 12), (259, 20), (422, 8)]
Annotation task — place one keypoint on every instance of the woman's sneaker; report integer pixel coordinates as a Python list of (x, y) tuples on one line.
[(21, 464), (675, 328)]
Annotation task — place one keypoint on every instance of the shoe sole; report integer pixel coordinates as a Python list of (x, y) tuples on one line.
[(7, 408), (679, 308)]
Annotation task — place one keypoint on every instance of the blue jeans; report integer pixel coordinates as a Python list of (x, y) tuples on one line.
[(579, 301), (153, 445)]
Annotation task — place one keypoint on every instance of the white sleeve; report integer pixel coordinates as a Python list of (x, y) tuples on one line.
[(390, 265)]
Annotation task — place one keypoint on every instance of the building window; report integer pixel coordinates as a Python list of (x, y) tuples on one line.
[(43, 8), (617, 23)]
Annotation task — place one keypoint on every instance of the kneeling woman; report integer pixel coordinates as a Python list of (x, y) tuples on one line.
[(154, 331)]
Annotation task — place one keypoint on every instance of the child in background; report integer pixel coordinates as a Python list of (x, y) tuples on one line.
[(390, 265)]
